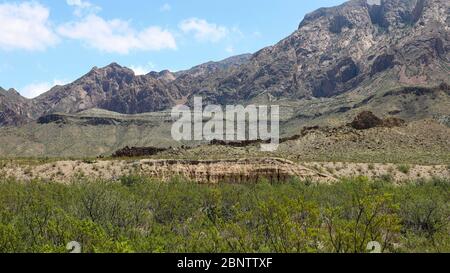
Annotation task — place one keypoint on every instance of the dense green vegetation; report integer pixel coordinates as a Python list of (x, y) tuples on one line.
[(140, 215)]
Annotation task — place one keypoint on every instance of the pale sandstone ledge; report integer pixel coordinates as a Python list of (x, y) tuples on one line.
[(243, 171), (273, 170)]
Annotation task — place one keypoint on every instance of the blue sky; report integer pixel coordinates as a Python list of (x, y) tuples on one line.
[(48, 42)]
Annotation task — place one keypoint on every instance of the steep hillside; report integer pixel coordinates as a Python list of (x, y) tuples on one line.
[(14, 109), (113, 88), (357, 48), (391, 57)]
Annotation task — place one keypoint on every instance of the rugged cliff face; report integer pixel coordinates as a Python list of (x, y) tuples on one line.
[(118, 89), (359, 47), (113, 88), (14, 109), (340, 49)]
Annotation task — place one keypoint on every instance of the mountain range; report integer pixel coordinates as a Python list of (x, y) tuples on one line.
[(389, 55)]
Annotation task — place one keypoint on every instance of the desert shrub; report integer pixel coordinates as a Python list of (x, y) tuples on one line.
[(138, 214), (370, 215), (89, 161), (425, 212), (404, 168), (131, 180), (386, 177)]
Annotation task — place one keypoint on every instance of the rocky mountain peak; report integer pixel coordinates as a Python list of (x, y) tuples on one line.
[(360, 47), (12, 93), (14, 109), (387, 14), (166, 76), (336, 49), (113, 71)]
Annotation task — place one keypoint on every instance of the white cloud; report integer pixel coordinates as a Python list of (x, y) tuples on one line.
[(142, 69), (117, 36), (204, 31), (25, 26), (257, 34), (166, 7), (229, 49), (83, 7), (237, 32), (35, 89), (79, 3)]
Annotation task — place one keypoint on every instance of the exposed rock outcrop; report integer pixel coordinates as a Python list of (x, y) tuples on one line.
[(245, 171), (15, 110), (137, 151), (367, 120), (114, 88), (359, 46)]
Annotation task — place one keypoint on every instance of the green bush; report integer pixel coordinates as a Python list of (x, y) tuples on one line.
[(138, 214), (131, 180), (404, 168)]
